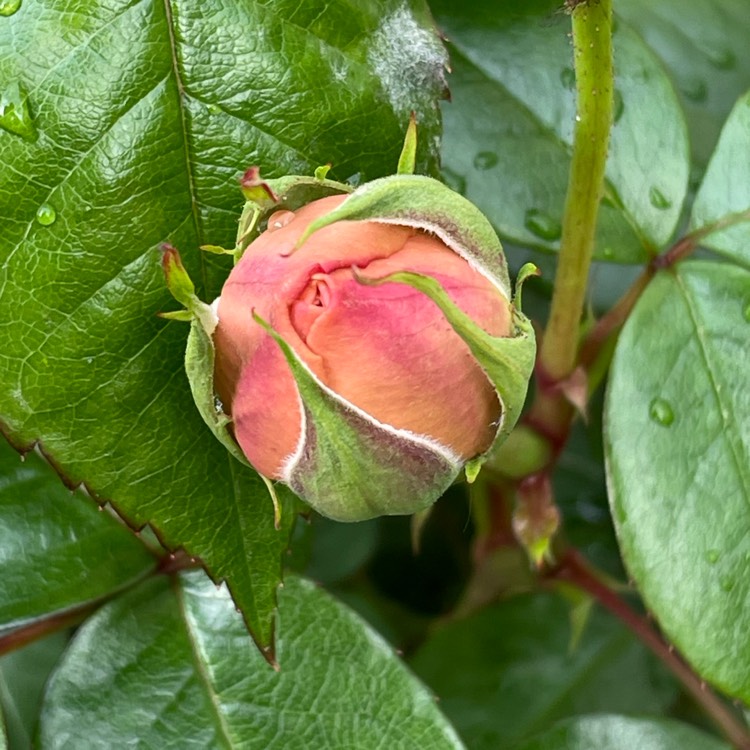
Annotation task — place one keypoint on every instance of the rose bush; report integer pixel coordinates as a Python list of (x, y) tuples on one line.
[(364, 347)]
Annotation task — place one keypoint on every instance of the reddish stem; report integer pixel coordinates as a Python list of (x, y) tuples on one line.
[(574, 569)]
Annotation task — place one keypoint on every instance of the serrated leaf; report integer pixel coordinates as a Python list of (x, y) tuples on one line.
[(726, 188), (57, 551), (677, 439), (703, 43), (622, 733), (509, 127), (508, 672), (171, 664), (146, 114)]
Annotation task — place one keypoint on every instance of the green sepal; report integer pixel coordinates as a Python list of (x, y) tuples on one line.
[(199, 366), (290, 194), (426, 204), (407, 162), (350, 467), (507, 361), (200, 352)]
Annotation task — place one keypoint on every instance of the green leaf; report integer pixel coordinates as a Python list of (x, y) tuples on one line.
[(23, 674), (145, 116), (58, 551), (171, 662), (703, 43), (726, 189), (677, 438), (508, 672), (621, 733), (509, 127)]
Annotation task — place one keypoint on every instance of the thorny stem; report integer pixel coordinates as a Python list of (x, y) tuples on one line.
[(573, 569)]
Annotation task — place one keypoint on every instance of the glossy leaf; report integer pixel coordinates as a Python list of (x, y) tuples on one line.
[(23, 674), (677, 438), (621, 733), (508, 672), (170, 665), (703, 43), (726, 188), (57, 551), (144, 115), (508, 130)]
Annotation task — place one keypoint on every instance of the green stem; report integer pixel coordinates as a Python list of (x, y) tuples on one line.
[(592, 40)]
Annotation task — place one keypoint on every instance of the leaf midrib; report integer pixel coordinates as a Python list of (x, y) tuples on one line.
[(732, 438)]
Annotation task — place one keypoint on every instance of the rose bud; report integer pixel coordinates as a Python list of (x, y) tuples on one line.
[(366, 347)]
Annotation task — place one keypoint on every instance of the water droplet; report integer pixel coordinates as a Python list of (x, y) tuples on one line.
[(485, 160), (618, 106), (658, 199), (46, 215), (89, 360), (14, 112), (354, 179), (568, 78), (608, 252), (695, 90), (454, 181), (661, 411), (746, 311), (723, 59), (713, 556), (542, 224), (214, 109), (727, 583), (9, 7), (279, 219)]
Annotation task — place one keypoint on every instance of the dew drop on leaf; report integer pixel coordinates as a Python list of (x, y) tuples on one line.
[(658, 199), (695, 90), (485, 160), (661, 412), (14, 112), (454, 181), (608, 252), (46, 214), (9, 7), (618, 106), (723, 59), (542, 224), (713, 556), (568, 78)]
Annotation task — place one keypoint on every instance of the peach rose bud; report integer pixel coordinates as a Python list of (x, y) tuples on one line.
[(365, 346)]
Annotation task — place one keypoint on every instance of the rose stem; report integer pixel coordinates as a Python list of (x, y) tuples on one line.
[(574, 569), (592, 54)]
